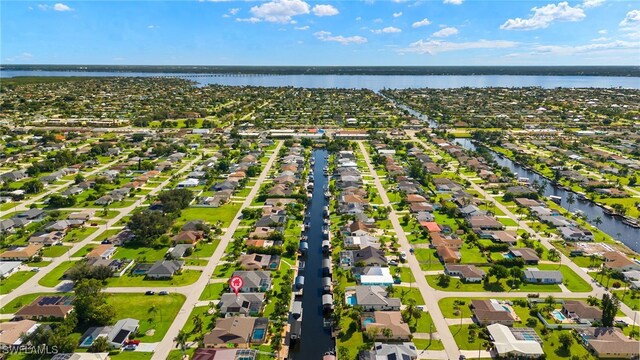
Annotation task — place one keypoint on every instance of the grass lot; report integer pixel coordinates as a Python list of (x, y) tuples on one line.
[(225, 214), (212, 291), (224, 271), (85, 250), (461, 335), (627, 298), (79, 234), (350, 337), (472, 255), (132, 355), (187, 277), (137, 306), (107, 234), (428, 259), (423, 344), (53, 278), (204, 250), (405, 293), (552, 349), (572, 281), (39, 263), (207, 321), (457, 286), (54, 251), (405, 274), (7, 285), (140, 253)]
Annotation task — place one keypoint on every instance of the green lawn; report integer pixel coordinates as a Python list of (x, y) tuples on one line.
[(204, 250), (224, 270), (350, 337), (140, 253), (472, 255), (449, 308), (187, 277), (53, 278), (552, 349), (461, 335), (132, 355), (428, 259), (207, 321), (458, 286), (85, 250), (137, 306), (425, 344), (627, 298), (212, 291), (79, 234), (405, 293), (571, 280), (54, 251), (225, 214), (16, 279)]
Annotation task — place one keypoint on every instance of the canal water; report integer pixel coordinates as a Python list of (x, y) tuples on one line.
[(315, 340), (613, 226)]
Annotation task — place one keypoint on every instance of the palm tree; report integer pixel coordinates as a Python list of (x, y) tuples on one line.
[(181, 340), (197, 324), (386, 332), (153, 310), (597, 221), (570, 200)]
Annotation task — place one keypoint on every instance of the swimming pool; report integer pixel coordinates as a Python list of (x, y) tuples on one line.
[(351, 300), (506, 308), (508, 256), (367, 321), (88, 341), (258, 334), (558, 315)]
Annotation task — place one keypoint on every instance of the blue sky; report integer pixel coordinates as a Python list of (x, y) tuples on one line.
[(297, 32)]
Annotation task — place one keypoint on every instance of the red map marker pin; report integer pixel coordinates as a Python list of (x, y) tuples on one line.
[(236, 283)]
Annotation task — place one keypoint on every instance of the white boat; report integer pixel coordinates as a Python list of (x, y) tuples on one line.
[(555, 199)]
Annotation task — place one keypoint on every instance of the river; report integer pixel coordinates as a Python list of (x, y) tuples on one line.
[(613, 226), (315, 340), (373, 82)]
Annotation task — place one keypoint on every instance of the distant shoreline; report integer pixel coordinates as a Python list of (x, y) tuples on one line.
[(616, 71)]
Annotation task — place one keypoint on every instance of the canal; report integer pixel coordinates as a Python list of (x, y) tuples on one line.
[(613, 226), (315, 339)]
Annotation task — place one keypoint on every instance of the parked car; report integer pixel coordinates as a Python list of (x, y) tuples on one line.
[(393, 263), (150, 292), (130, 347), (163, 293)]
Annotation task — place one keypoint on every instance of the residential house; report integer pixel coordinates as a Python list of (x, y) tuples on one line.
[(513, 344), (467, 273), (390, 351), (448, 255), (374, 297), (370, 256), (116, 335), (391, 320), (21, 253), (164, 269), (608, 343), (102, 251), (9, 267), (254, 281), (224, 354), (255, 261), (580, 311), (178, 251), (238, 331), (12, 332), (491, 311), (536, 276), (619, 262), (248, 304), (47, 307), (187, 237), (375, 275), (484, 222), (528, 255), (47, 239)]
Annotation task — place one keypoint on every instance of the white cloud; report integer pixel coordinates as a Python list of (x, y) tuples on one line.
[(387, 30), (588, 4), (61, 7), (423, 22), (444, 32), (581, 49), (325, 10), (397, 15), (600, 39), (279, 11), (359, 18), (437, 46), (252, 20), (632, 19), (25, 56), (602, 32), (302, 28), (344, 40), (453, 2), (153, 27), (234, 11), (55, 7), (543, 17), (377, 21)]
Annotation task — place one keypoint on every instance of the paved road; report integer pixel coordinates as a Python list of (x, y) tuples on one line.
[(597, 291), (428, 293), (167, 344), (31, 286)]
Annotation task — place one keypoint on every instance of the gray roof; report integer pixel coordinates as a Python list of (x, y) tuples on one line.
[(254, 279), (243, 303), (543, 274), (375, 295), (165, 267)]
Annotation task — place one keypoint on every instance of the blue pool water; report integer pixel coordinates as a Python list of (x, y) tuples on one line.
[(351, 300), (88, 341), (528, 337), (508, 256), (258, 334), (558, 315), (506, 308), (367, 321)]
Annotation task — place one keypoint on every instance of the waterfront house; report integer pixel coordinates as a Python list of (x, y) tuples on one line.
[(242, 304), (492, 311), (391, 320), (254, 281), (372, 298), (237, 331)]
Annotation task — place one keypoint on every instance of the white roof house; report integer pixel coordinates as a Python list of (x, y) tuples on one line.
[(9, 267), (506, 344), (188, 183), (376, 276)]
